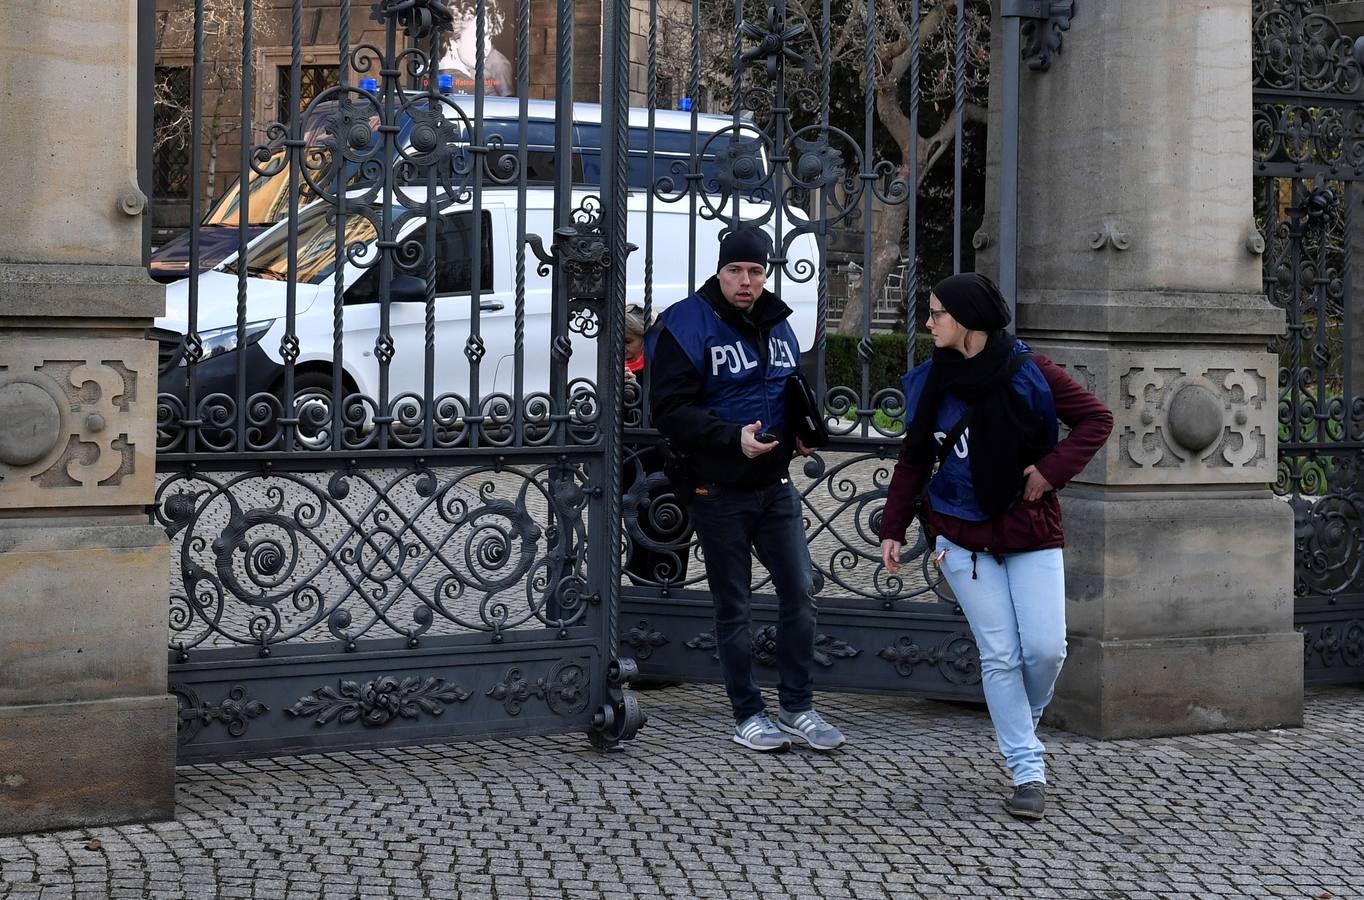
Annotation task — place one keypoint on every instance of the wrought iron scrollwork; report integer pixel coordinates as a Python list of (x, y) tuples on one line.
[(1308, 126), (776, 42), (1328, 523), (583, 254), (264, 558), (564, 689), (644, 639), (620, 717), (1295, 47), (1334, 645), (843, 495), (956, 657), (1043, 23), (417, 17), (235, 711), (380, 701)]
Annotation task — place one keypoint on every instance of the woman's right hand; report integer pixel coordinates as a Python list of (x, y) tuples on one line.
[(890, 555)]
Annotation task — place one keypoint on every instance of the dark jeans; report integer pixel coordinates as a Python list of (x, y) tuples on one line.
[(729, 521)]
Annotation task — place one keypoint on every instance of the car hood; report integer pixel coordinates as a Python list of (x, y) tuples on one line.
[(216, 243), (265, 299)]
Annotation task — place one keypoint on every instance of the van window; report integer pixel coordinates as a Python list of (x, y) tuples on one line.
[(672, 152), (454, 259), (542, 164)]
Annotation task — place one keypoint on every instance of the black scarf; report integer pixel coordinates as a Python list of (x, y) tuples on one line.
[(1006, 435)]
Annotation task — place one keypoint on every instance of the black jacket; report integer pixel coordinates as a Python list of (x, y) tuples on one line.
[(676, 391)]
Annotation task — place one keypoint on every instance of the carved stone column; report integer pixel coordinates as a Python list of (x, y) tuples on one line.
[(87, 728), (1137, 272)]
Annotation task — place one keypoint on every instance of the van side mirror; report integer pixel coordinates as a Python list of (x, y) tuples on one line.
[(407, 289)]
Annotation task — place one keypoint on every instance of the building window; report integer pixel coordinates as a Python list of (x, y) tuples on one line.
[(313, 80), (171, 149)]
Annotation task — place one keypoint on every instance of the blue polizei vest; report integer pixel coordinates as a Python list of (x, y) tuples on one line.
[(951, 489), (737, 389)]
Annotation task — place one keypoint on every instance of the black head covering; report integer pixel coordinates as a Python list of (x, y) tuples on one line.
[(1005, 434), (743, 245), (974, 301)]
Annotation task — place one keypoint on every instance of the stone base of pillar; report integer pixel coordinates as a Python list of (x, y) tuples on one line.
[(1147, 688), (1179, 613), (87, 726), (68, 765)]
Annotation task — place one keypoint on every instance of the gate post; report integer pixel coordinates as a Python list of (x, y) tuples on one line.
[(1138, 271), (87, 728)]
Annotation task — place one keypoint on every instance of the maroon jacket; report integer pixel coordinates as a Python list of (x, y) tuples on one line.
[(1026, 526)]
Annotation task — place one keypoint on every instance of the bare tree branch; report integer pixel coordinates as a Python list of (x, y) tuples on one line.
[(222, 26)]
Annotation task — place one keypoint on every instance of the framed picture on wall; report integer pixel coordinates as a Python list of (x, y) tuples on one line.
[(458, 56)]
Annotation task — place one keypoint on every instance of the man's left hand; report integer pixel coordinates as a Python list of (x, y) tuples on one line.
[(802, 449), (1036, 486)]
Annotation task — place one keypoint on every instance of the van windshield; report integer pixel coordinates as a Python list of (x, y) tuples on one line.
[(269, 257)]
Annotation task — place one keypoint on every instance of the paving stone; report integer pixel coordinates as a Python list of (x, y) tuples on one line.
[(911, 808)]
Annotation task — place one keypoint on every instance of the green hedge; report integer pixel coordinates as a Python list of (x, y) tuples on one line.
[(842, 367)]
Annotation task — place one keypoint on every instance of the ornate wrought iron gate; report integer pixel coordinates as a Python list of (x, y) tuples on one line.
[(1309, 205), (401, 465), (392, 498)]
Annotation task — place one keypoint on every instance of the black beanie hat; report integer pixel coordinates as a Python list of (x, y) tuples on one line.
[(743, 245), (974, 301)]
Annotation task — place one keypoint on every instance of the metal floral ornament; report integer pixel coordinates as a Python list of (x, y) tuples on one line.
[(774, 42), (418, 17)]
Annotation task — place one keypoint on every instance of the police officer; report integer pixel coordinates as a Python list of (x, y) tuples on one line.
[(719, 362)]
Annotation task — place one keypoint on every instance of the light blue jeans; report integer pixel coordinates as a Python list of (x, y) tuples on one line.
[(1017, 612)]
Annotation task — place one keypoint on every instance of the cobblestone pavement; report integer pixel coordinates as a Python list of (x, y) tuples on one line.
[(909, 809)]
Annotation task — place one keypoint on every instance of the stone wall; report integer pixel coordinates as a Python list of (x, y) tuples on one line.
[(87, 728)]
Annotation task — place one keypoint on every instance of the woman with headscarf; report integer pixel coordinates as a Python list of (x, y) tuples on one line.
[(985, 410), (635, 326)]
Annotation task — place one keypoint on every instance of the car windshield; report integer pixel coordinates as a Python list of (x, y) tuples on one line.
[(269, 200), (269, 257)]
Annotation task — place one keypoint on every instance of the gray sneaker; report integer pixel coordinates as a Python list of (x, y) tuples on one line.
[(811, 728), (758, 733)]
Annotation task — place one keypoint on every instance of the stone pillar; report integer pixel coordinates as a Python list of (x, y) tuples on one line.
[(1138, 272), (87, 728)]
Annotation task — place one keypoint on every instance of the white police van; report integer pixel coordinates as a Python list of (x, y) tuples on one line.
[(267, 268)]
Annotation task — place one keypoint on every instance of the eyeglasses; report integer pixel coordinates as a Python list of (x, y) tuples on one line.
[(936, 314)]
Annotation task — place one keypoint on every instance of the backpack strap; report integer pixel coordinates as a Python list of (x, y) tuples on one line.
[(953, 436), (958, 429)]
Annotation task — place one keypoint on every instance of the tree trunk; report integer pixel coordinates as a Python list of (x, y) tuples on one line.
[(886, 247), (886, 238), (212, 170)]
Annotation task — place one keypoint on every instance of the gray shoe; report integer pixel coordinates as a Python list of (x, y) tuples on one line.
[(809, 727), (758, 733), (1028, 802)]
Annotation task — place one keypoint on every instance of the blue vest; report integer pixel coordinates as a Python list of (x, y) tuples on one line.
[(736, 387), (951, 489)]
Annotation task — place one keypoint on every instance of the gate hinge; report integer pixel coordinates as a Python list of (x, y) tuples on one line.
[(1044, 20)]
